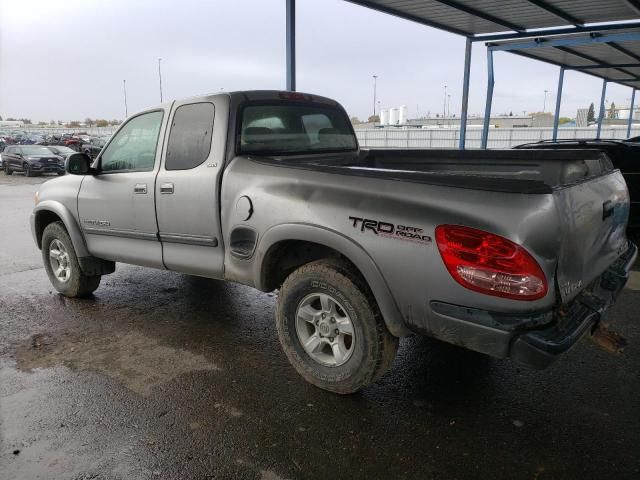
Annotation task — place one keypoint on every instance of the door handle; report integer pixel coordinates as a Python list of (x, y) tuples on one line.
[(166, 188), (140, 188)]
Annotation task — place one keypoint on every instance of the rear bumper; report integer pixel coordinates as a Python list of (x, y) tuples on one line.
[(536, 340)]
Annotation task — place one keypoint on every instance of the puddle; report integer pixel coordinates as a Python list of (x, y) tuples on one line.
[(136, 361)]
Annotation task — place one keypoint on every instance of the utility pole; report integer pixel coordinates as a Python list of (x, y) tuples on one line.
[(375, 85), (544, 105), (444, 105), (160, 78), (124, 88), (449, 109)]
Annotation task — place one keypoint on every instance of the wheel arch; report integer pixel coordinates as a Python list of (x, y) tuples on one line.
[(299, 244), (50, 211)]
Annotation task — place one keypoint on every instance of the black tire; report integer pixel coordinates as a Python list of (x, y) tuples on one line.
[(78, 284), (374, 348), (26, 169), (7, 170)]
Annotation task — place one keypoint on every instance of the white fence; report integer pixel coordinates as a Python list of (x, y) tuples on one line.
[(98, 131), (498, 137)]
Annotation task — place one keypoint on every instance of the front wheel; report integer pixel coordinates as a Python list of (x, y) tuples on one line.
[(61, 263), (26, 168), (7, 170), (331, 329)]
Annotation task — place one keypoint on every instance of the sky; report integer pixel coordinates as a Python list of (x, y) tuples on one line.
[(67, 59)]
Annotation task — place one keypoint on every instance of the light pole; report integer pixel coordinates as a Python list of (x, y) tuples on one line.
[(160, 78), (375, 85), (124, 89), (544, 105), (449, 109), (444, 105)]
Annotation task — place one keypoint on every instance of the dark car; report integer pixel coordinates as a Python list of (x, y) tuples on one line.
[(93, 146), (61, 150), (624, 155), (31, 160)]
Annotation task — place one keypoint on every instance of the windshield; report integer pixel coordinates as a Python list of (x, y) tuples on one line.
[(294, 129), (36, 151)]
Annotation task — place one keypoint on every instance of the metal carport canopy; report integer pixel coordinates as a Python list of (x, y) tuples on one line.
[(477, 17), (497, 20), (613, 56)]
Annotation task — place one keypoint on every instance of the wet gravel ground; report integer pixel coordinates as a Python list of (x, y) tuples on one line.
[(162, 375)]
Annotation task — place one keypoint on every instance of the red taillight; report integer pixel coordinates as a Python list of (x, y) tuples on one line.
[(490, 264)]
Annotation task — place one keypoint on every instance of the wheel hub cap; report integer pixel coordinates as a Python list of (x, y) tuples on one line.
[(325, 329), (59, 261)]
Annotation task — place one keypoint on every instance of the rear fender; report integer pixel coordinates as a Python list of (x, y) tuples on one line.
[(346, 247)]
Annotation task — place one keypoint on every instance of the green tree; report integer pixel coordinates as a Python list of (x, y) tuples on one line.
[(355, 121), (374, 119), (102, 123), (613, 113), (591, 114)]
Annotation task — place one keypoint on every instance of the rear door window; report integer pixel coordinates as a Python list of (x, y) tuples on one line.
[(190, 137)]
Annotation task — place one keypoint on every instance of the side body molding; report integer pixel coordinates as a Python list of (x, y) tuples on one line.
[(345, 246)]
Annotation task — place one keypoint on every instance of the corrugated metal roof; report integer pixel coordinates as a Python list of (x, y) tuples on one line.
[(615, 61), (473, 17)]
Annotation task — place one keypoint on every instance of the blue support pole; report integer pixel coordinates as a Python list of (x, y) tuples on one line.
[(291, 44), (487, 108), (633, 101), (556, 119), (465, 94), (601, 113)]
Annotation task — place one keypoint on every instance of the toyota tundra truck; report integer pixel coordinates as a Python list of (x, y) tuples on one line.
[(513, 253)]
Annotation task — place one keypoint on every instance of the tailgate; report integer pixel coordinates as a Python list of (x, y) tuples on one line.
[(593, 216)]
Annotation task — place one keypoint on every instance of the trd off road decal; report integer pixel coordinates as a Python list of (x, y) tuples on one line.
[(385, 229)]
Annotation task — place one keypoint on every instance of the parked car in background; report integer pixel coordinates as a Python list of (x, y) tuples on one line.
[(94, 146), (31, 160), (61, 150), (624, 155)]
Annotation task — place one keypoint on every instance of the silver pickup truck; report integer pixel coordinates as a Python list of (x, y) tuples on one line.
[(514, 253)]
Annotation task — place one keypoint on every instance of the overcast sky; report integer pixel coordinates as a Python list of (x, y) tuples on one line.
[(66, 59)]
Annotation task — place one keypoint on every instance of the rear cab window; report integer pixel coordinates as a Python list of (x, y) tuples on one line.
[(280, 128)]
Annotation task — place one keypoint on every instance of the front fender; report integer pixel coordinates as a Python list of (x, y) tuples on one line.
[(346, 247), (67, 218)]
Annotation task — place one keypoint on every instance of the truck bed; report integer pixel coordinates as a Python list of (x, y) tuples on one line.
[(510, 171)]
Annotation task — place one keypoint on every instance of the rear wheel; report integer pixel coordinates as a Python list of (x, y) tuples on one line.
[(7, 169), (61, 263), (27, 170), (331, 329)]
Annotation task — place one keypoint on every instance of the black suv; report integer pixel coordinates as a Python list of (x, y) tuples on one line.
[(31, 160), (624, 155), (93, 146)]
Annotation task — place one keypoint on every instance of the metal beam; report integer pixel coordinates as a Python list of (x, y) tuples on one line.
[(597, 61), (465, 94), (634, 4), (408, 16), (601, 112), (291, 44), (542, 33), (556, 119), (624, 50), (483, 15), (557, 12), (609, 65), (487, 108), (572, 41), (633, 101)]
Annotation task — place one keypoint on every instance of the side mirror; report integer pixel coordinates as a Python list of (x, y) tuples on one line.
[(78, 164)]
